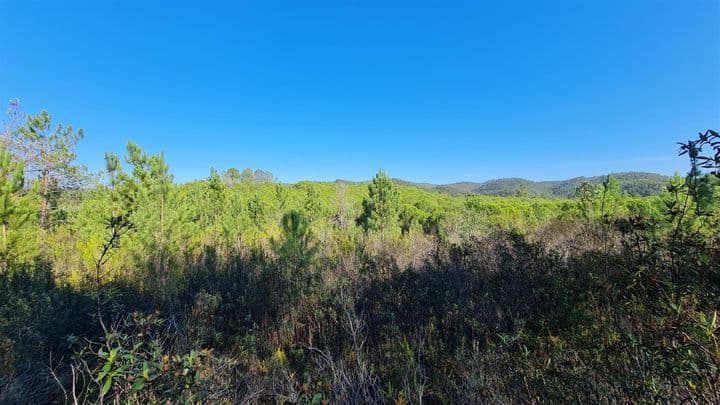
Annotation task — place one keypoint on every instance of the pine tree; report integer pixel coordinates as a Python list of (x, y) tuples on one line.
[(215, 182), (380, 207), (48, 152), (281, 195), (231, 177), (296, 246), (247, 175), (610, 194), (256, 210), (586, 194), (11, 182), (296, 252), (409, 216), (313, 205), (148, 187)]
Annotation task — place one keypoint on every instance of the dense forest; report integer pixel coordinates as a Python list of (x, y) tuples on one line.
[(127, 287)]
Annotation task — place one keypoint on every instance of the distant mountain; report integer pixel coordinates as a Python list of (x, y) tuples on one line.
[(426, 186), (634, 183)]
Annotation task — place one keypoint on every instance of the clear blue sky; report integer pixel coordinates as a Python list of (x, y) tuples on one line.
[(430, 91)]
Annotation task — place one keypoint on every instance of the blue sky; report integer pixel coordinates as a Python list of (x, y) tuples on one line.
[(429, 91)]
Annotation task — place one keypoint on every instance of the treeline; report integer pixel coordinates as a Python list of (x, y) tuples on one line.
[(233, 176), (633, 183), (127, 287)]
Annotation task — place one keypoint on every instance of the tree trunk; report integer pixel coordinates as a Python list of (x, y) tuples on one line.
[(44, 205), (162, 240), (4, 262)]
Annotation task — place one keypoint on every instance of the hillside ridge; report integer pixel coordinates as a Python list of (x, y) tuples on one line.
[(634, 183)]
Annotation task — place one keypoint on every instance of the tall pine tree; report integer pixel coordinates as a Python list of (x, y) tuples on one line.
[(380, 207), (12, 179), (48, 153)]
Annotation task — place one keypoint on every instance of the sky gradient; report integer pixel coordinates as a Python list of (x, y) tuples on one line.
[(429, 91)]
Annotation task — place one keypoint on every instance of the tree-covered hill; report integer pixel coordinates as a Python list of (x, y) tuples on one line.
[(634, 183)]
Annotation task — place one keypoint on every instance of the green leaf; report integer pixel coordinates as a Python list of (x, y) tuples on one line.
[(713, 324), (106, 386), (138, 385), (113, 354), (103, 372)]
